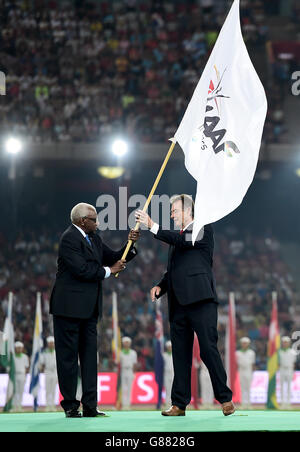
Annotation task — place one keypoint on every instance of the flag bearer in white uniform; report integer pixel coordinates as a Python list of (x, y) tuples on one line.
[(168, 372), (128, 361), (207, 392), (21, 369), (245, 361), (287, 359), (48, 364)]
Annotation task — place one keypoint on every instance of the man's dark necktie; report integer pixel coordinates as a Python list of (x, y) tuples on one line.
[(88, 240)]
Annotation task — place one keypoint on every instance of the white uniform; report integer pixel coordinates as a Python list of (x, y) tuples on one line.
[(48, 359), (168, 375), (287, 359), (245, 362), (207, 392), (21, 364), (127, 360)]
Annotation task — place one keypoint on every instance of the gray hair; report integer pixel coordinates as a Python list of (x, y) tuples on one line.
[(187, 201), (81, 210)]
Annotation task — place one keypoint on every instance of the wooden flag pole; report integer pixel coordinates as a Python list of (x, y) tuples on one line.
[(163, 166)]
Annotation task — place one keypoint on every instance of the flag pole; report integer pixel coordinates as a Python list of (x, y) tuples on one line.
[(163, 166)]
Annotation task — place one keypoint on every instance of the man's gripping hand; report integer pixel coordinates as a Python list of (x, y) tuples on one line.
[(118, 266), (155, 292), (133, 235)]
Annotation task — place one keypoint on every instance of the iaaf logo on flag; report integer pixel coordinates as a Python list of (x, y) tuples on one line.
[(213, 117)]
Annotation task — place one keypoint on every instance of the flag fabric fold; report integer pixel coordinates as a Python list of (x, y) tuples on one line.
[(220, 132), (230, 352), (195, 372), (273, 351), (158, 355), (116, 347), (8, 355), (36, 352)]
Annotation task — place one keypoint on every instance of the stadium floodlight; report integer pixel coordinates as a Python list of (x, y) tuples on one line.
[(120, 147), (13, 145)]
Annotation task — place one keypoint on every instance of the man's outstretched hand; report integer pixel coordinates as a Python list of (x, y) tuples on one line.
[(143, 217)]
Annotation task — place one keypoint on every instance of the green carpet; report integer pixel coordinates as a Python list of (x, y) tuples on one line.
[(152, 421)]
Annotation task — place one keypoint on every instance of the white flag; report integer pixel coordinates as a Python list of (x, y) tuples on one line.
[(36, 351), (221, 130), (8, 358)]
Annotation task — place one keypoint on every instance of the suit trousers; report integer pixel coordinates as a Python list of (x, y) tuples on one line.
[(76, 338), (199, 318)]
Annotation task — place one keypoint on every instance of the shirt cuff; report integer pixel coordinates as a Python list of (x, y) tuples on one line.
[(155, 228), (107, 272)]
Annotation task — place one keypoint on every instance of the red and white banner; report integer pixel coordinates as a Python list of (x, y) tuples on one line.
[(145, 389)]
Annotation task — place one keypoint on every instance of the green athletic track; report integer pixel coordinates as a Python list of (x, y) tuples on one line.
[(153, 421)]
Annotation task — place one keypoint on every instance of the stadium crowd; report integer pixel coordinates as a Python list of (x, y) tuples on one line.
[(251, 267), (81, 71)]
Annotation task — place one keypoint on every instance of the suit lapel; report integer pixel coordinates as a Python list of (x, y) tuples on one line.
[(97, 246), (85, 242)]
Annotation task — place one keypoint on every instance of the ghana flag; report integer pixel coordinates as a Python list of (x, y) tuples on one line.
[(273, 347)]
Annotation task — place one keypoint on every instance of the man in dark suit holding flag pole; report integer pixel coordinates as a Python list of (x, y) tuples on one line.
[(190, 285), (84, 261)]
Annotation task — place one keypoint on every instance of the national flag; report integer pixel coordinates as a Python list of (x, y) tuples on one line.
[(230, 351), (195, 372), (116, 346), (36, 352), (8, 355), (221, 130), (273, 352), (158, 356)]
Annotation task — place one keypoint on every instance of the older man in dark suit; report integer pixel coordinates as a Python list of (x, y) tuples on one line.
[(84, 261), (190, 285)]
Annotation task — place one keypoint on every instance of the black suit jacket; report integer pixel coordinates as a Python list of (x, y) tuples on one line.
[(78, 287), (189, 273)]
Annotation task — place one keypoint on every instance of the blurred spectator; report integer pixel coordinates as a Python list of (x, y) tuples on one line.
[(250, 266), (79, 72)]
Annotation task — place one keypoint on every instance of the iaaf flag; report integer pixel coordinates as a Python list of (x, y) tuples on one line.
[(273, 347), (36, 351), (221, 130)]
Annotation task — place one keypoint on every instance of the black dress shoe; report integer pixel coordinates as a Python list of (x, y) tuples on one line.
[(92, 413), (73, 413)]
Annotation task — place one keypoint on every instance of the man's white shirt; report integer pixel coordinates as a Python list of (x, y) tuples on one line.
[(245, 360), (128, 360), (48, 359), (21, 363), (155, 227), (287, 359)]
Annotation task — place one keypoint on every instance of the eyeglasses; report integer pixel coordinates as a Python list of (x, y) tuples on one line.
[(95, 220)]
